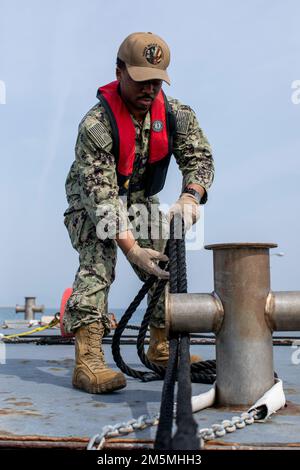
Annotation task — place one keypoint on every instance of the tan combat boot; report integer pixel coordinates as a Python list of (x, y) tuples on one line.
[(158, 351), (91, 373)]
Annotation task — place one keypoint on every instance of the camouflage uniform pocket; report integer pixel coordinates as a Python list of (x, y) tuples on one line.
[(88, 230), (74, 222)]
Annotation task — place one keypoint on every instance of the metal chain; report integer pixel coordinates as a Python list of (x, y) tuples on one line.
[(97, 442), (228, 426), (205, 434)]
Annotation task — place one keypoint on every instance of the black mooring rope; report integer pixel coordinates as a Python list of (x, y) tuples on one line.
[(201, 372), (186, 435), (116, 352), (163, 439)]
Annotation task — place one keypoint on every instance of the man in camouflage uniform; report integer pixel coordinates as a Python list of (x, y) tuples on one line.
[(93, 194)]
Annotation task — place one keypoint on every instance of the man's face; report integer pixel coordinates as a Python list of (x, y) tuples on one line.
[(138, 95)]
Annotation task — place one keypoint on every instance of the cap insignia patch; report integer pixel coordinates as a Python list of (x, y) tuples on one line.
[(153, 54)]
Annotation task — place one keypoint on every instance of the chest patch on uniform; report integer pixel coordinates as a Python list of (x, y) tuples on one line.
[(99, 135), (157, 126), (183, 121)]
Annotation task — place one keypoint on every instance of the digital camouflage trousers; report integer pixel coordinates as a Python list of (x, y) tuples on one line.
[(97, 261)]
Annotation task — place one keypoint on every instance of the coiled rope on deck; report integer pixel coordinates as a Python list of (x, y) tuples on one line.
[(201, 372)]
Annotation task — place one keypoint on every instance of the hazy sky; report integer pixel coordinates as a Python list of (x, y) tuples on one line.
[(234, 62)]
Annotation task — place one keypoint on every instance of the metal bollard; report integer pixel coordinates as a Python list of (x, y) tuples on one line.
[(29, 308), (243, 313)]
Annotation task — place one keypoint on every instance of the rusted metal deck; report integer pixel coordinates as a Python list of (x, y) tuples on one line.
[(39, 407)]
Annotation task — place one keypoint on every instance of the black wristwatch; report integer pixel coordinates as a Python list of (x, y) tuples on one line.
[(194, 193)]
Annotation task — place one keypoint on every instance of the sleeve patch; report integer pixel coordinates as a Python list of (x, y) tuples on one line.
[(183, 121), (98, 133)]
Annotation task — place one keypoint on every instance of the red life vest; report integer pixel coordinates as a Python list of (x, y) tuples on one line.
[(123, 130)]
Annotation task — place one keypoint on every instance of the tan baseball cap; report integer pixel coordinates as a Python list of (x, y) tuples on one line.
[(146, 56)]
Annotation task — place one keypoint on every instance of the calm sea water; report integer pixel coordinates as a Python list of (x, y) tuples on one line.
[(8, 313)]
